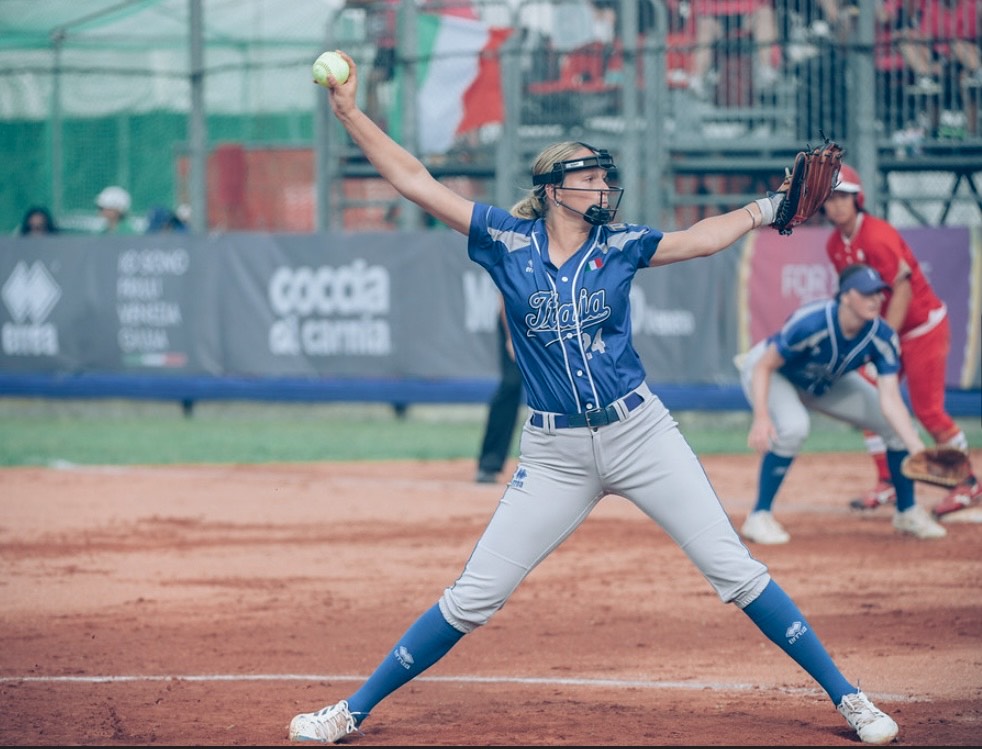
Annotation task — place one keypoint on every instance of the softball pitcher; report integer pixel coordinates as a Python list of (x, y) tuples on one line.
[(813, 364), (564, 270)]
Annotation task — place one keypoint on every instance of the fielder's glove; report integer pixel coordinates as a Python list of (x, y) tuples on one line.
[(941, 466), (806, 187)]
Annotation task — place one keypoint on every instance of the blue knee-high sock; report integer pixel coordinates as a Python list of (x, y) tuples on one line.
[(424, 643), (782, 622), (773, 469), (901, 484)]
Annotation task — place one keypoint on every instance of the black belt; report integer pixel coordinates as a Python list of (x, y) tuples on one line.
[(597, 417)]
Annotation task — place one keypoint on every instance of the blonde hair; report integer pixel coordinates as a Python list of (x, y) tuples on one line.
[(534, 205)]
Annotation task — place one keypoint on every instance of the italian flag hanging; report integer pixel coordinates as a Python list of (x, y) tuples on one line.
[(458, 79)]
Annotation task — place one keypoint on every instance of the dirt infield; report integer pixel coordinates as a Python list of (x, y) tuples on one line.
[(207, 605)]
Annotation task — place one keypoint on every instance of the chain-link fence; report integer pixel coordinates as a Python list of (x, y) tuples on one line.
[(210, 105)]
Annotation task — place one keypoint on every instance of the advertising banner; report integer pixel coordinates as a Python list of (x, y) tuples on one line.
[(781, 273), (397, 305)]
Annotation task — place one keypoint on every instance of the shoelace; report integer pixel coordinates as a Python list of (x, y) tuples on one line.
[(860, 712), (338, 718)]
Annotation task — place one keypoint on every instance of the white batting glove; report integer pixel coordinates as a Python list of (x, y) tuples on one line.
[(768, 207)]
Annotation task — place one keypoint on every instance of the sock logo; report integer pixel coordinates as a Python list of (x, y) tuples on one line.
[(795, 632), (404, 657)]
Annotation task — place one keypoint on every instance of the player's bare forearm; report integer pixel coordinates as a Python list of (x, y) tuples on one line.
[(896, 413), (405, 172), (761, 433), (395, 164), (762, 428), (707, 236)]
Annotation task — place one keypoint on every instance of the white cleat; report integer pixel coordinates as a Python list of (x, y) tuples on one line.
[(326, 726), (762, 528), (918, 522), (872, 725)]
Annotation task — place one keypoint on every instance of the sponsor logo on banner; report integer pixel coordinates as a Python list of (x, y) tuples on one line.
[(650, 320), (146, 315), (330, 311), (30, 294)]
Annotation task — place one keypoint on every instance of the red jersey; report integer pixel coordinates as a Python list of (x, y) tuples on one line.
[(878, 244), (944, 20), (726, 7)]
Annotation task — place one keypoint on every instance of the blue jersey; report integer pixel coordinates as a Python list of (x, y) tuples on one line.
[(816, 353), (570, 326)]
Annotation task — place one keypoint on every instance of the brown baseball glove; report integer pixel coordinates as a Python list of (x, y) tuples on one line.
[(807, 185), (941, 466)]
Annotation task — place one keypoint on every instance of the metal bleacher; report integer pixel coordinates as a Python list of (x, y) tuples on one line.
[(691, 144)]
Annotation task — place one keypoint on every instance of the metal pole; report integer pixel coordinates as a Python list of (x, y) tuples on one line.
[(407, 48), (657, 193), (56, 134), (862, 102), (630, 162), (507, 190), (327, 153), (197, 123)]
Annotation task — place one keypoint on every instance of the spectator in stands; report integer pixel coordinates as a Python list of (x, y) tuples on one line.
[(718, 19), (162, 219), (943, 33), (582, 22), (499, 430), (838, 18), (37, 221), (808, 24), (114, 206), (819, 35), (894, 72), (939, 44)]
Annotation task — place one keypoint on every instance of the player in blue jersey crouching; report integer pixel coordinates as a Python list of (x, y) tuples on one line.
[(812, 364), (564, 270)]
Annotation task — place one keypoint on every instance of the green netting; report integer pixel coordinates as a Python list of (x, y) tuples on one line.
[(143, 152), (99, 92)]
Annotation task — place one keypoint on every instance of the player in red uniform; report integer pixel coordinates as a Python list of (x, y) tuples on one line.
[(920, 318)]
